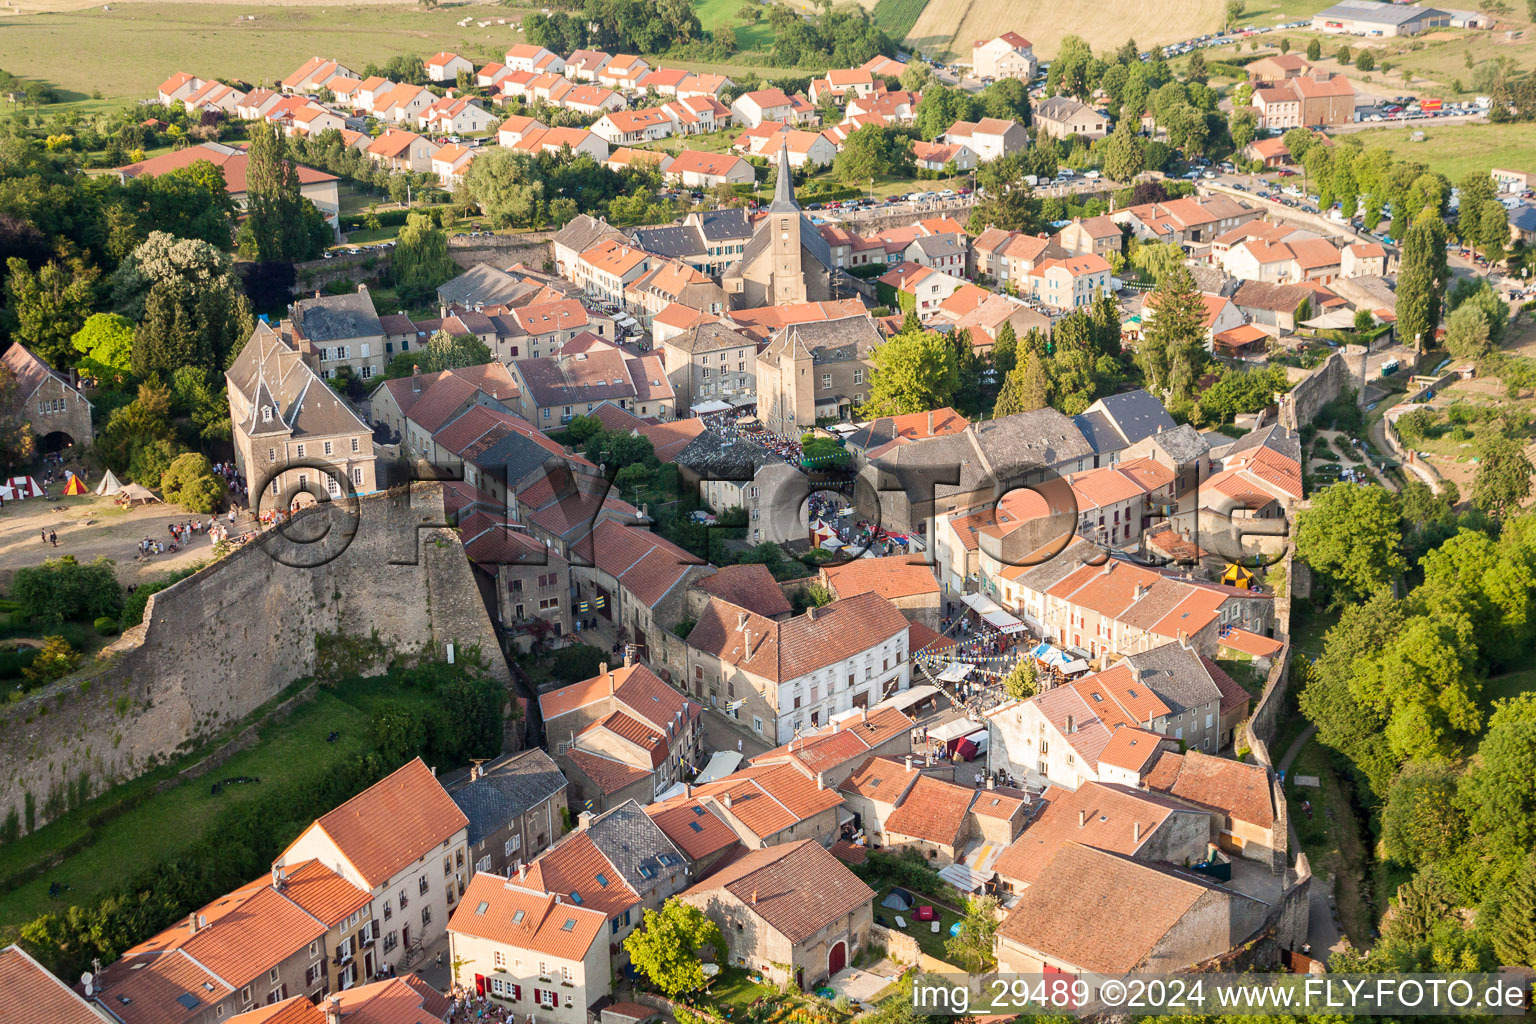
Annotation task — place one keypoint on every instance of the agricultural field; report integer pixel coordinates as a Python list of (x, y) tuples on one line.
[(898, 16), (1455, 149), (948, 28), (218, 39), (749, 36)]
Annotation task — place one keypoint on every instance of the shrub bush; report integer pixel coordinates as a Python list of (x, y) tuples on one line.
[(106, 625)]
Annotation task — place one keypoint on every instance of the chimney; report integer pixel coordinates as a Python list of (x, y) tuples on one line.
[(433, 770), (192, 923), (747, 641), (754, 897), (612, 684), (1141, 591), (821, 781), (522, 871), (930, 422), (864, 713), (687, 790), (1136, 831), (277, 877), (584, 820), (602, 668), (1082, 818), (333, 1010), (741, 621), (1070, 725), (908, 760), (991, 781), (810, 612), (727, 798)]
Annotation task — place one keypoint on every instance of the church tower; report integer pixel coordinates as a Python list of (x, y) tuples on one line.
[(784, 221)]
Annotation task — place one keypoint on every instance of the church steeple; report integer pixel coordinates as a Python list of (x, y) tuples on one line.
[(784, 188)]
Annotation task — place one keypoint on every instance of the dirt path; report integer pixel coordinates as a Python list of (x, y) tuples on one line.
[(91, 526)]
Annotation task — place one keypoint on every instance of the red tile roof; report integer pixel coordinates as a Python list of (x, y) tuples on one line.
[(894, 577), (391, 824), (515, 915), (882, 779), (1108, 815), (934, 810), (607, 773), (323, 893), (781, 651), (696, 829), (30, 995), (796, 889), (750, 586), (849, 736), (1239, 790), (577, 870)]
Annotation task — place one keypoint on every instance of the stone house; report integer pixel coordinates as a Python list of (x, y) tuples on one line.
[(814, 370), (530, 951), (1062, 117), (1240, 798), (795, 905), (516, 807), (57, 411), (904, 580)]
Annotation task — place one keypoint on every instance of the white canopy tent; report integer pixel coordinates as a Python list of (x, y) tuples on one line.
[(713, 405), (952, 730), (721, 763), (954, 672), (1333, 320), (109, 484), (993, 613)]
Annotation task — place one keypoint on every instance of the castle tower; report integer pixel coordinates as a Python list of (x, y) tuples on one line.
[(784, 220)]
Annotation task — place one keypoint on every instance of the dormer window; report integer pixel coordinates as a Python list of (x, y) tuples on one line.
[(266, 414)]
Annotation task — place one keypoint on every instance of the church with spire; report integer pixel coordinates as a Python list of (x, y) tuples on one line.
[(787, 261)]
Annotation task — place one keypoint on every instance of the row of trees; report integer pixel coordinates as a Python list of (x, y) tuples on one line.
[(616, 26)]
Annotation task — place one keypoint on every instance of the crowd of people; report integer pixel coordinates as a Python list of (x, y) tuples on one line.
[(469, 1008), (183, 533), (239, 493)]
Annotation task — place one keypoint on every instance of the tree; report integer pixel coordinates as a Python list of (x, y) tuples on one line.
[(17, 440), (421, 261), (749, 13), (1366, 61), (443, 351), (1022, 683), (65, 589), (971, 947), (191, 483), (1172, 352), (1123, 157), (1503, 478), (1421, 280), (1467, 332), (1344, 56), (1298, 143), (143, 422), (55, 660), (280, 224), (1026, 389), (1243, 127), (873, 151), (1315, 50), (1364, 320), (1514, 928), (1009, 203), (666, 947), (1351, 534), (45, 308), (1498, 792), (105, 344), (1158, 260), (1421, 823), (507, 186), (914, 371), (1197, 71), (1285, 44)]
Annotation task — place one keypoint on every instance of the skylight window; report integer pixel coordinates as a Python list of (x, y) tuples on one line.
[(484, 906), (646, 871), (696, 826), (569, 926), (602, 880), (576, 898), (517, 918)]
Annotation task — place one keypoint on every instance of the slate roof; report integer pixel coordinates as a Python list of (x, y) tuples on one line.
[(796, 889), (1176, 675), (509, 787), (1135, 414), (337, 317), (635, 845), (724, 225), (270, 372), (677, 241), (1183, 443)]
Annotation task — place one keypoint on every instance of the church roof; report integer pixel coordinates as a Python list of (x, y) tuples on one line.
[(784, 188)]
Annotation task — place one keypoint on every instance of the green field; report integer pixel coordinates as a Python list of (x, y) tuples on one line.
[(154, 40), (171, 822), (757, 35), (898, 16), (1455, 149)]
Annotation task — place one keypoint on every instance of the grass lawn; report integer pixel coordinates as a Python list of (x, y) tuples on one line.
[(1510, 685), (173, 821), (734, 991), (1455, 149), (948, 29), (1308, 625), (930, 942), (758, 35), (1241, 668), (211, 39)]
